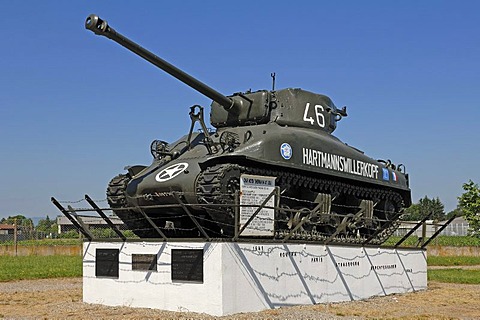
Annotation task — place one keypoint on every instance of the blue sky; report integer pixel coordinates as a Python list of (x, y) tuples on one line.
[(76, 108)]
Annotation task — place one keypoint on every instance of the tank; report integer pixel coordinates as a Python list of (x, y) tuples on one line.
[(328, 189)]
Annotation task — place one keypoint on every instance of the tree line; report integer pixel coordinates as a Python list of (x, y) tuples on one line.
[(46, 225), (468, 207)]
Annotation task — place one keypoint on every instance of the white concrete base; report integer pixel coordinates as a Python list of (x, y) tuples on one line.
[(246, 277)]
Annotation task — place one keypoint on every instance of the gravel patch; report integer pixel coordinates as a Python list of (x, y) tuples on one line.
[(62, 298)]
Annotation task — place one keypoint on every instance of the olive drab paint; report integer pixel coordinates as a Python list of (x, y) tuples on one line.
[(283, 133)]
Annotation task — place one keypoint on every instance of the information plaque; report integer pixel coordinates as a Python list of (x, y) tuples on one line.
[(144, 262), (106, 263), (187, 265), (253, 191)]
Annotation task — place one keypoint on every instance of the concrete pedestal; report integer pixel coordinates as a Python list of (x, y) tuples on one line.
[(245, 277)]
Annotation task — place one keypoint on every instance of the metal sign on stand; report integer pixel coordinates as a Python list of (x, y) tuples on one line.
[(255, 191)]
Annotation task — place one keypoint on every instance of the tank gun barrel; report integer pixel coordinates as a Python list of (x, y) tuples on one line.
[(101, 27)]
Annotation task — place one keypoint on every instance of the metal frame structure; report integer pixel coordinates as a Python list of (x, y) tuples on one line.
[(76, 219), (438, 232)]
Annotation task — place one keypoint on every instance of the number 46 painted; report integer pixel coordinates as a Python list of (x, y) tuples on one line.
[(318, 114)]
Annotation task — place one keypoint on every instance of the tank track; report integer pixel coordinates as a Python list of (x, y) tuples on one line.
[(217, 185), (117, 199)]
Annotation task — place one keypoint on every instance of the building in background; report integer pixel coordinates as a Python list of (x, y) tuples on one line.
[(458, 227), (92, 223)]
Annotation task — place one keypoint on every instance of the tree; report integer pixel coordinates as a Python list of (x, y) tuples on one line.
[(20, 220), (23, 224), (412, 213), (458, 212), (46, 225), (424, 207), (469, 201)]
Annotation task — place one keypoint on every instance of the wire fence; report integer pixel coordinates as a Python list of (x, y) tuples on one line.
[(23, 235), (271, 217), (452, 229), (457, 229), (267, 216)]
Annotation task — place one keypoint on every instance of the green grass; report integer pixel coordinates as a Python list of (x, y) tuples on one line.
[(409, 242), (39, 267), (457, 241), (46, 242), (454, 276), (51, 242), (452, 261)]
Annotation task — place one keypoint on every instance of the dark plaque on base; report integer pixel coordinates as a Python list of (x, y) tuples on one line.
[(187, 265)]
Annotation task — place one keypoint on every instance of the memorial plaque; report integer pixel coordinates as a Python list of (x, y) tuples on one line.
[(187, 265), (144, 262), (106, 263)]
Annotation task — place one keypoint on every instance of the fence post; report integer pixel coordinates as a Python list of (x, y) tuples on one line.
[(424, 233), (15, 244)]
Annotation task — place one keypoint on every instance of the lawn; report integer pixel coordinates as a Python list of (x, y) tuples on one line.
[(457, 241), (39, 267), (455, 275), (452, 261)]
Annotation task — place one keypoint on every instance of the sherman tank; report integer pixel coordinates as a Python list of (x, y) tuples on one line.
[(327, 190)]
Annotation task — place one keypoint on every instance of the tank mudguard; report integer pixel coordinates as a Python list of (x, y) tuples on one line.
[(314, 152)]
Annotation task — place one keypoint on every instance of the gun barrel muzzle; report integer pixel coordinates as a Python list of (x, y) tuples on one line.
[(97, 25)]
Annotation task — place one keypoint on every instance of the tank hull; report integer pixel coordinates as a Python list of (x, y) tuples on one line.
[(299, 149)]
